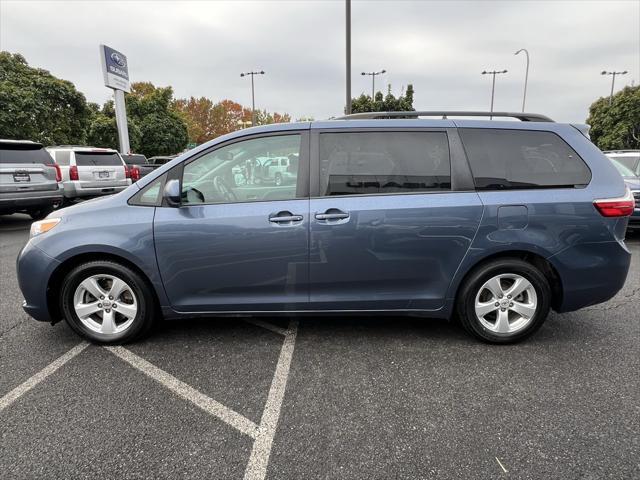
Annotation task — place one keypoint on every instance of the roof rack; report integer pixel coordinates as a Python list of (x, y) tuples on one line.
[(524, 117)]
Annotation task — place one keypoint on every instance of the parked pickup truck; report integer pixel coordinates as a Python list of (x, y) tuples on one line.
[(139, 162)]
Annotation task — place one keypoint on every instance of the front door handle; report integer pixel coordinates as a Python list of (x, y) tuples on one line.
[(285, 217), (332, 214)]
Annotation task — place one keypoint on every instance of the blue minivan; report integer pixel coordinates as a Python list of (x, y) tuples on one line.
[(491, 222)]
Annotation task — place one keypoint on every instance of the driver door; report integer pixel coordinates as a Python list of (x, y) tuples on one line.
[(233, 244)]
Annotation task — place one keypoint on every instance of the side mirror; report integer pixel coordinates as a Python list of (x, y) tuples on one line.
[(171, 193)]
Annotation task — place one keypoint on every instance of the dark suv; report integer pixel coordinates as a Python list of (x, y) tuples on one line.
[(29, 179), (492, 222)]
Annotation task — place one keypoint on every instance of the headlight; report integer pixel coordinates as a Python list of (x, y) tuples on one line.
[(43, 226)]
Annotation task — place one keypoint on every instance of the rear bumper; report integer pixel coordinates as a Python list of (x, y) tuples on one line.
[(591, 273), (25, 200), (34, 268), (74, 189)]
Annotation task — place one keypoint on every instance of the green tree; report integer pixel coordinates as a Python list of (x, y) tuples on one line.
[(37, 106), (155, 126), (384, 103), (616, 126)]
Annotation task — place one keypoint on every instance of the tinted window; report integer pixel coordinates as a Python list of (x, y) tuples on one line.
[(62, 157), (89, 159), (246, 171), (24, 153), (384, 162), (134, 159), (515, 159)]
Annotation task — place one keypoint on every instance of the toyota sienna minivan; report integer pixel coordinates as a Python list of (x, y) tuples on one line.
[(491, 222)]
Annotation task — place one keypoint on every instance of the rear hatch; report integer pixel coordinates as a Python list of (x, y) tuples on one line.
[(26, 167), (100, 168)]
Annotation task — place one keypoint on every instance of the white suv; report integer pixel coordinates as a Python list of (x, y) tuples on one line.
[(90, 171)]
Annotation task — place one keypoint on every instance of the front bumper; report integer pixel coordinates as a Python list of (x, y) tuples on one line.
[(34, 268)]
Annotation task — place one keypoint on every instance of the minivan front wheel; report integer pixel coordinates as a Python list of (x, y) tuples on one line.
[(106, 302), (504, 301)]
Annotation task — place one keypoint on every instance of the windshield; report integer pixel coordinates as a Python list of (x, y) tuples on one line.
[(624, 171), (629, 161), (89, 159)]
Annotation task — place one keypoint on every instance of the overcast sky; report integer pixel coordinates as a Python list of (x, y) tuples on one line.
[(200, 48)]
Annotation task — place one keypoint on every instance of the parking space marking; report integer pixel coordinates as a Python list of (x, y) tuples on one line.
[(501, 466), (20, 390), (259, 460), (187, 392), (268, 326)]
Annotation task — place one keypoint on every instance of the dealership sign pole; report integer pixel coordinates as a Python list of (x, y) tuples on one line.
[(116, 76)]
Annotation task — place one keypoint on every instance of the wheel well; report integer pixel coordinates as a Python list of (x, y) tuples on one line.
[(55, 282), (547, 269)]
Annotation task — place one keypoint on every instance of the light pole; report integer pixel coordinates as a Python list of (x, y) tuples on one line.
[(348, 55), (613, 81), (253, 94), (526, 76), (493, 73), (373, 81)]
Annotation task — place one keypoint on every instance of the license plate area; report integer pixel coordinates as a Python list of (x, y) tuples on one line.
[(101, 175), (19, 177)]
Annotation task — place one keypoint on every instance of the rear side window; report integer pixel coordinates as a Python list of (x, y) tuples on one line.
[(360, 163), (517, 159), (27, 154), (90, 159), (62, 157)]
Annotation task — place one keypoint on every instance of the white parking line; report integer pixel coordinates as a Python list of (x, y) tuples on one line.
[(259, 460), (20, 390), (187, 392), (268, 326)]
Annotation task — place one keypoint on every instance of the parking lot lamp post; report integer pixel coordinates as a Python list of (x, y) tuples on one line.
[(613, 81), (526, 76), (493, 73), (253, 94), (373, 81)]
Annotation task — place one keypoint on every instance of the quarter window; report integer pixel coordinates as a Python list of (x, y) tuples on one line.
[(384, 162), (247, 171), (517, 159)]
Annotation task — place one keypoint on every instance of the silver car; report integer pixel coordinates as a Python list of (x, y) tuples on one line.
[(28, 179), (90, 171)]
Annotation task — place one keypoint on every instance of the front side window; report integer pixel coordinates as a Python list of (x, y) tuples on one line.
[(246, 171), (361, 163), (517, 159)]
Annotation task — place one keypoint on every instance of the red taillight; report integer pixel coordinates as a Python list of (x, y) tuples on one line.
[(135, 173), (127, 171), (616, 207), (73, 173), (58, 172)]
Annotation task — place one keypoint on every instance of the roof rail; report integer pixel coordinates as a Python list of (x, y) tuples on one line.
[(71, 146), (627, 150), (525, 117)]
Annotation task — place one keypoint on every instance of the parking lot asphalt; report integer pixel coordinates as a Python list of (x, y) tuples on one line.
[(360, 397)]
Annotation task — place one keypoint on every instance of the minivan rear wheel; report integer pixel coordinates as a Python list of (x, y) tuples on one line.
[(504, 301), (107, 302)]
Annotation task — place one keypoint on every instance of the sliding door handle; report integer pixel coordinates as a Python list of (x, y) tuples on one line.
[(285, 217), (332, 214)]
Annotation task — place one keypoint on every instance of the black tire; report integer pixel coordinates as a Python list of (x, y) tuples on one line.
[(474, 282), (145, 300), (40, 213)]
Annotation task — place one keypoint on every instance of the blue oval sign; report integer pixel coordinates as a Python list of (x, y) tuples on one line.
[(118, 59)]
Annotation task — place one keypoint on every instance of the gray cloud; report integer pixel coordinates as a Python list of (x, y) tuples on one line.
[(201, 47)]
